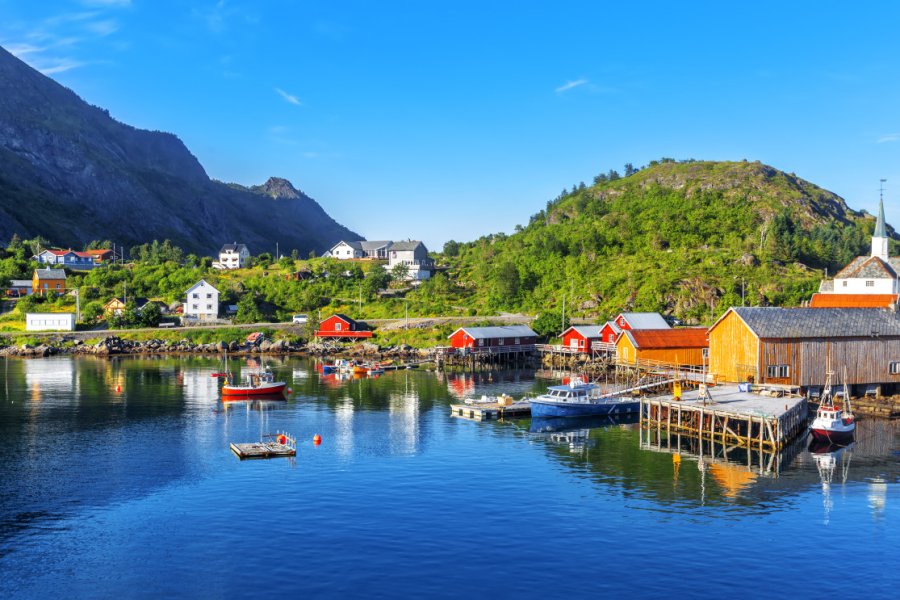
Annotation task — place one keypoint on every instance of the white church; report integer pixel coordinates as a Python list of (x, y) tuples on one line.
[(868, 281)]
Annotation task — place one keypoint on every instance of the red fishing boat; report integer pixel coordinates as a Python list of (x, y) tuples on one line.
[(254, 383), (832, 424)]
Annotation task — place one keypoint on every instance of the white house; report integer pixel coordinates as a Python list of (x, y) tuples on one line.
[(49, 321), (345, 250), (414, 256), (232, 256), (202, 302)]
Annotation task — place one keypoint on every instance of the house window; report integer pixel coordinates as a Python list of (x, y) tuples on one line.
[(194, 306), (844, 283), (337, 326), (705, 352), (46, 286), (209, 307), (581, 343), (518, 342), (57, 286), (209, 296), (870, 283), (778, 371), (197, 296), (894, 367)]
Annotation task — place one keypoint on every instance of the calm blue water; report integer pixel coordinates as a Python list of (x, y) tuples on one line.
[(136, 494)]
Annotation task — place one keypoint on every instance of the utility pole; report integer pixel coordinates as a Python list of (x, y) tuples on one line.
[(742, 292), (360, 299), (562, 325), (77, 306)]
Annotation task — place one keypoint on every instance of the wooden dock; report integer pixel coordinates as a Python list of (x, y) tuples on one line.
[(761, 418), (486, 412), (271, 446)]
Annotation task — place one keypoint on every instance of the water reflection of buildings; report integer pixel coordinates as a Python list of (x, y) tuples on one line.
[(200, 387), (51, 376)]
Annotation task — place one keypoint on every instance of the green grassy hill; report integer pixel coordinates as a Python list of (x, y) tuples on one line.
[(676, 237)]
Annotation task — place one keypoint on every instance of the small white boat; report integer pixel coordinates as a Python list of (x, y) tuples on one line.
[(502, 399), (832, 424)]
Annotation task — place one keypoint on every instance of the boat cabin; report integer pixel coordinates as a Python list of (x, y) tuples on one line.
[(565, 393)]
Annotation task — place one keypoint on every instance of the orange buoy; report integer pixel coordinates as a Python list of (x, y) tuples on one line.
[(282, 439), (290, 391), (317, 439), (118, 388)]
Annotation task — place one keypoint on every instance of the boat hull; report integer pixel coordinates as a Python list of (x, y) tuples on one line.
[(262, 390), (832, 436), (543, 408)]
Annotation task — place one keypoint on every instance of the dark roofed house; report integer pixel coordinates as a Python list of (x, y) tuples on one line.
[(796, 346), (233, 256)]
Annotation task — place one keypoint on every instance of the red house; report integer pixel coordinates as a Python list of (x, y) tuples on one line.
[(609, 333), (493, 337), (627, 321), (583, 337), (341, 326)]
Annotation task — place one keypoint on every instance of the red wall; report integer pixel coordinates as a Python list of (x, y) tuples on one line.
[(461, 339), (608, 334), (329, 323)]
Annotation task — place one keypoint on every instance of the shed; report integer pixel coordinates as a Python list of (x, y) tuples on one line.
[(493, 337), (341, 326), (797, 346), (686, 347), (583, 337), (49, 321)]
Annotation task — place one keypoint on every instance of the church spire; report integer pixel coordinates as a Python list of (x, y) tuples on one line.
[(880, 238)]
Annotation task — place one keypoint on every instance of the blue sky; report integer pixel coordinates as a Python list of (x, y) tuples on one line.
[(450, 120)]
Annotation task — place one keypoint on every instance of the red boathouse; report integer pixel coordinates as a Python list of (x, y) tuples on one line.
[(507, 336), (341, 326), (583, 337)]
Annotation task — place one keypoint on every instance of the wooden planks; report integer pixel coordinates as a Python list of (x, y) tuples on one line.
[(485, 412)]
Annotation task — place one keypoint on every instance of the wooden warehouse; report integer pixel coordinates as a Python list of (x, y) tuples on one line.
[(796, 346), (686, 347)]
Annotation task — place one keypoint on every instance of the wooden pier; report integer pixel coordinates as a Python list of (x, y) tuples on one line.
[(763, 418), (486, 412), (272, 445)]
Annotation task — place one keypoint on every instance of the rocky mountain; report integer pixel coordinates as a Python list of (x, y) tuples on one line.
[(71, 173)]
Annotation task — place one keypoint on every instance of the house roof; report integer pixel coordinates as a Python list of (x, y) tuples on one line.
[(70, 251), (853, 300), (20, 282), (369, 246), (588, 331), (235, 247), (138, 302), (645, 320), (407, 245), (355, 245), (100, 252), (198, 284), (879, 224), (50, 273), (798, 323), (340, 316), (692, 337), (501, 331)]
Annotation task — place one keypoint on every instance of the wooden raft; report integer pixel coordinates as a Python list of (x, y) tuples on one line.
[(265, 448), (485, 412)]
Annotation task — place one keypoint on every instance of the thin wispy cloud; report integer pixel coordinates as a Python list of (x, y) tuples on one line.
[(110, 3), (20, 50), (570, 85), (891, 137), (103, 28), (290, 99), (60, 66)]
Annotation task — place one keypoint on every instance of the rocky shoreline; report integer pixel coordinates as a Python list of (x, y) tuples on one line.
[(114, 345)]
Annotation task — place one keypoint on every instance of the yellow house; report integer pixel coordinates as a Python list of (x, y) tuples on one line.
[(48, 280), (675, 346)]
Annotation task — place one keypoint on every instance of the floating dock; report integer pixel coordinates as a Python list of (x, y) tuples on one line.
[(281, 444), (487, 411), (767, 419)]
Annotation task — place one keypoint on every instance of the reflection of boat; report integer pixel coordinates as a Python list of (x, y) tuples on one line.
[(254, 383), (580, 399), (548, 425), (327, 369), (260, 402), (831, 424)]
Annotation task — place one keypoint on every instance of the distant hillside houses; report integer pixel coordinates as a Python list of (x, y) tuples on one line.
[(411, 254), (232, 256)]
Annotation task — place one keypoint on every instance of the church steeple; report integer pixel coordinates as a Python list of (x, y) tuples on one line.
[(880, 238)]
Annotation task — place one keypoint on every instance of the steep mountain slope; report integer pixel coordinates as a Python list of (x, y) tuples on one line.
[(71, 173), (683, 238)]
